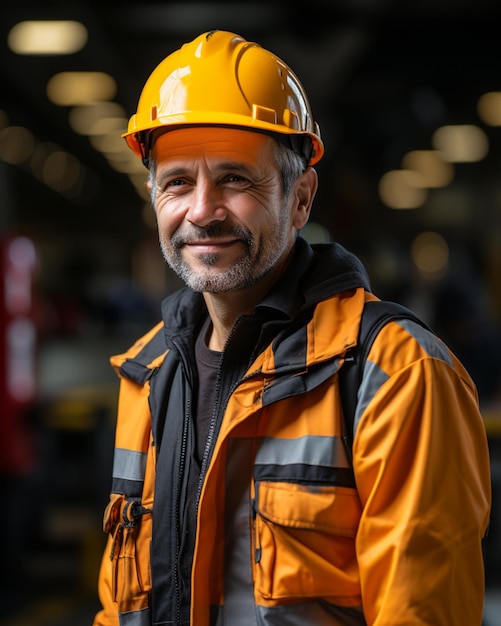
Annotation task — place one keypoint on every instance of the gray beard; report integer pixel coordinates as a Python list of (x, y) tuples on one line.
[(237, 277), (246, 271)]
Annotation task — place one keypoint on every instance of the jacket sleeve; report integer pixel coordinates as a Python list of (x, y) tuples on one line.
[(421, 463)]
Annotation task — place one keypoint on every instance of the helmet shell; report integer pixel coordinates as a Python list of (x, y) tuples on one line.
[(220, 78)]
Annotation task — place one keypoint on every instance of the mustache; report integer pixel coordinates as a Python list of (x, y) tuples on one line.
[(212, 231)]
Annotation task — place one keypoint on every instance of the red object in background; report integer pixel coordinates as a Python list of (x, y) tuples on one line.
[(18, 351)]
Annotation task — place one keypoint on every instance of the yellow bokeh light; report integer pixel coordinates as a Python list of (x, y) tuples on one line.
[(47, 37), (402, 189), (61, 171), (435, 171), (74, 88), (461, 143), (430, 254), (86, 119), (16, 145), (489, 108)]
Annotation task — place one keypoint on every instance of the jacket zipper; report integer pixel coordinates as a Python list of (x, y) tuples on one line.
[(210, 438), (216, 413), (177, 512)]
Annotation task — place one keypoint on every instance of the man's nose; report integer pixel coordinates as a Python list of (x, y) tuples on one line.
[(206, 204)]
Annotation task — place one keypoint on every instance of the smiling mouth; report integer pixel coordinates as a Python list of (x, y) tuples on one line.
[(213, 240), (207, 245)]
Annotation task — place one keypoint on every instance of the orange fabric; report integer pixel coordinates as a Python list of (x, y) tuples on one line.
[(405, 544)]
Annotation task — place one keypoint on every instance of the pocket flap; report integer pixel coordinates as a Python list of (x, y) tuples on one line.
[(326, 508)]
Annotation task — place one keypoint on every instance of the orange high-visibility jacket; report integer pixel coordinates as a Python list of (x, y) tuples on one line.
[(288, 531)]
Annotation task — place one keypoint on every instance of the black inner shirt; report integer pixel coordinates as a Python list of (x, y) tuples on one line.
[(207, 365)]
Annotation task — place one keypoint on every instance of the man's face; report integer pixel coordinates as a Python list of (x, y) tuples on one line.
[(222, 219)]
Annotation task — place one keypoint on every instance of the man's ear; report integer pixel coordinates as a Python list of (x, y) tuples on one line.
[(304, 193)]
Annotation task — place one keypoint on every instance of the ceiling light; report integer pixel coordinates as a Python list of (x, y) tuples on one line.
[(74, 88), (47, 37), (16, 145), (109, 126), (489, 108), (461, 143), (430, 254), (107, 144), (402, 189), (435, 171), (61, 171), (126, 166), (86, 119), (40, 154)]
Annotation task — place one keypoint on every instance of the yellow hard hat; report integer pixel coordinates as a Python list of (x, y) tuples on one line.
[(221, 79)]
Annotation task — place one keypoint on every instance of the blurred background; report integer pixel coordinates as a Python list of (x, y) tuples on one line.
[(408, 98)]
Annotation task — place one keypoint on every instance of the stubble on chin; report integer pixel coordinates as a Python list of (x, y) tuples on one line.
[(208, 278), (255, 262)]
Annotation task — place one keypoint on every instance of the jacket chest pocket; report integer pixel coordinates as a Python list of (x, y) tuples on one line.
[(305, 540)]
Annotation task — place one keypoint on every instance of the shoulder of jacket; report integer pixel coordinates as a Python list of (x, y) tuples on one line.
[(337, 319), (326, 331), (147, 352), (410, 338)]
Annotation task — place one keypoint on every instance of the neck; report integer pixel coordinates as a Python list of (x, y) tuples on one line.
[(225, 308)]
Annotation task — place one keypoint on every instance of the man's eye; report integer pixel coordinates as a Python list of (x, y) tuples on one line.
[(174, 186), (236, 178), (176, 182)]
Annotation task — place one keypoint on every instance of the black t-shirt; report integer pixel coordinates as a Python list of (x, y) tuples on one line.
[(207, 366)]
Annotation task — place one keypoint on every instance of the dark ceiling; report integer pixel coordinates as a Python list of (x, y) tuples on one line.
[(381, 75)]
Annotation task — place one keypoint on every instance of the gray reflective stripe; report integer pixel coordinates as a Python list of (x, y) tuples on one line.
[(239, 607), (305, 614), (307, 450), (427, 340), (310, 614), (135, 618), (374, 378), (129, 464)]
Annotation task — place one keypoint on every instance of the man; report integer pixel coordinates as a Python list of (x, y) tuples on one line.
[(234, 500)]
